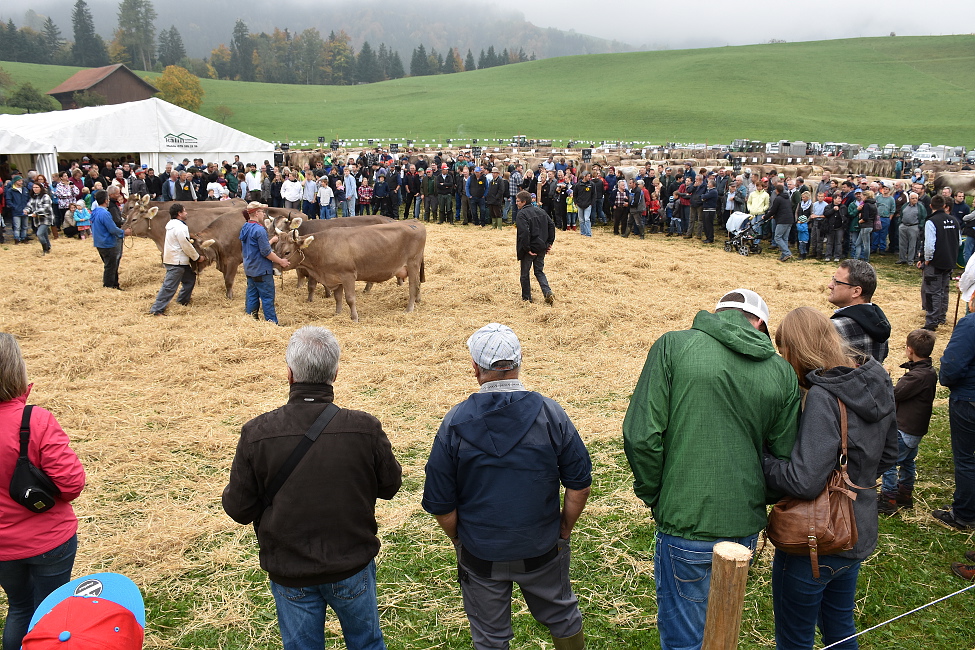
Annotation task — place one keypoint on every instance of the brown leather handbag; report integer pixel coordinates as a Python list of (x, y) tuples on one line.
[(824, 525)]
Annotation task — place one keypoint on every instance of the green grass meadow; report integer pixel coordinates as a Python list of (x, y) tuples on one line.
[(865, 90)]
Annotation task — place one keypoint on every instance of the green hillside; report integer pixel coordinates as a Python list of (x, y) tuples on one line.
[(891, 89)]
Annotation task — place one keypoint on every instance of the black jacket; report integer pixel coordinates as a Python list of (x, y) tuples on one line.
[(914, 394), (536, 231), (781, 210), (497, 192), (321, 526), (583, 194), (445, 183)]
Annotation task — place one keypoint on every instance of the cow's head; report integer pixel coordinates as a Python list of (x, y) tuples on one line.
[(138, 215), (292, 247), (208, 254)]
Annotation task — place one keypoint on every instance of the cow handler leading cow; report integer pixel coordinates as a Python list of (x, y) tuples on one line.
[(176, 255), (259, 261)]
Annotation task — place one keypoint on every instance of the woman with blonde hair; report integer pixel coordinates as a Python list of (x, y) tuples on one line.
[(832, 381), (37, 550)]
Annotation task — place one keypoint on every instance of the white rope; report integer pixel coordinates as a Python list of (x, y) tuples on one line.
[(971, 586)]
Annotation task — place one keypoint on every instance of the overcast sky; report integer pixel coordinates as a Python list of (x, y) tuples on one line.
[(709, 23)]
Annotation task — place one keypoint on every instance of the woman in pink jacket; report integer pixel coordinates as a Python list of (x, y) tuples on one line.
[(36, 550)]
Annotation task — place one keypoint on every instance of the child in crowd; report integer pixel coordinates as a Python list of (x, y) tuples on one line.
[(365, 197), (82, 219), (571, 210), (914, 396), (339, 195), (803, 212), (325, 198), (835, 216)]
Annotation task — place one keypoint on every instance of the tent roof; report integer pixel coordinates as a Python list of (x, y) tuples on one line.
[(150, 125), (85, 79)]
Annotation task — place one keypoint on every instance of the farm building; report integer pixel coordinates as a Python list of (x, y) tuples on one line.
[(116, 83), (152, 131)]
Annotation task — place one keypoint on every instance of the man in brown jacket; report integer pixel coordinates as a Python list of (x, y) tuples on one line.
[(317, 536)]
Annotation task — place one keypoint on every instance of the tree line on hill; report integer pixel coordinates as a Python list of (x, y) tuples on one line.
[(278, 57)]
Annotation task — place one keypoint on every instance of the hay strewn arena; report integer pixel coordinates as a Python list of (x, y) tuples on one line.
[(154, 406)]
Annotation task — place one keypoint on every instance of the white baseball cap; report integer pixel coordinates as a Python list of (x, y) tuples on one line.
[(751, 303)]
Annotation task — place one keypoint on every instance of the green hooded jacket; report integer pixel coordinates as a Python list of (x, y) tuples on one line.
[(708, 401)]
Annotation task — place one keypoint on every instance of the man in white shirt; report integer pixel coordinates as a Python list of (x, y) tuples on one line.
[(177, 253)]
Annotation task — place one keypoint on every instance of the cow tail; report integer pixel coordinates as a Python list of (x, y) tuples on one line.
[(423, 277)]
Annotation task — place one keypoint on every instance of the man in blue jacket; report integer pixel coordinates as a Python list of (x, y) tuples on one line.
[(259, 261), (107, 236), (493, 485)]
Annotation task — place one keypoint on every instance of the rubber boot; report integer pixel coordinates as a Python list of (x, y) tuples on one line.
[(575, 642), (905, 498)]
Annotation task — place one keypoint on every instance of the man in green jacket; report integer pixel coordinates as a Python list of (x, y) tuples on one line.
[(708, 401)]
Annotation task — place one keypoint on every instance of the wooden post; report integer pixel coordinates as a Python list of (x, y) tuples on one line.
[(729, 572)]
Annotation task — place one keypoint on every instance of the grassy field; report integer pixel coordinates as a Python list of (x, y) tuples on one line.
[(154, 406), (865, 90)]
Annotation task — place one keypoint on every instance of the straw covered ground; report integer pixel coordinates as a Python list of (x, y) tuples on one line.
[(154, 406)]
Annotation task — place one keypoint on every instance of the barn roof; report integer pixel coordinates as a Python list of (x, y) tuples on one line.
[(85, 79)]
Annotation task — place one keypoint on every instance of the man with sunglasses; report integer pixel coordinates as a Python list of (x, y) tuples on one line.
[(862, 324)]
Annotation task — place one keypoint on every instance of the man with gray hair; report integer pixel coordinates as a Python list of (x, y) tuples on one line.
[(313, 503), (492, 482)]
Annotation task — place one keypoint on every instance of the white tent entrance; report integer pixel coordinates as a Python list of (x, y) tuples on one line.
[(156, 131)]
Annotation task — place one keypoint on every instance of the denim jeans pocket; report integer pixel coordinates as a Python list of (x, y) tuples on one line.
[(352, 588), (829, 573), (291, 593), (63, 550), (692, 573)]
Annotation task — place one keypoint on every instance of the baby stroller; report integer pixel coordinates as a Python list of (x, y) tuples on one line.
[(743, 234)]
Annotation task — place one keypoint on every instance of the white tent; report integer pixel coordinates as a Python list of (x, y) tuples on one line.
[(157, 131)]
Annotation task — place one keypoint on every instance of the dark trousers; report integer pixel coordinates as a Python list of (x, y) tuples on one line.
[(619, 219), (110, 258), (961, 417), (536, 263), (707, 218), (934, 295)]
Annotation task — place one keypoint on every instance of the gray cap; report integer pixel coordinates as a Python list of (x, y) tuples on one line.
[(492, 343)]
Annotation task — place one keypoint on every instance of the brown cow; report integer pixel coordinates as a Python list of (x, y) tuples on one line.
[(957, 181), (141, 219), (338, 257), (281, 226)]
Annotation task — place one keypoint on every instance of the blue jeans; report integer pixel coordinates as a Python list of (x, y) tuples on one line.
[(348, 208), (43, 231), (802, 602), (878, 242), (260, 292), (906, 453), (781, 239), (969, 247), (585, 226), (479, 211), (860, 246), (682, 571), (20, 228), (597, 211), (27, 582), (961, 418), (301, 612)]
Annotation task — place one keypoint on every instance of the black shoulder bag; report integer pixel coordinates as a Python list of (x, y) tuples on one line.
[(292, 461), (30, 486)]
